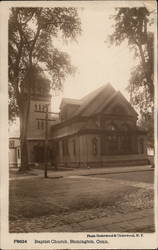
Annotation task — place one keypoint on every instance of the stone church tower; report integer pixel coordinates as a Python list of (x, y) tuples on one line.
[(40, 97)]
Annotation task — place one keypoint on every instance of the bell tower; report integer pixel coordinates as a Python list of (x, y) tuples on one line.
[(40, 97)]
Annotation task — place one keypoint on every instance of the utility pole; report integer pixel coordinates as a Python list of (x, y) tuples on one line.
[(46, 140), (46, 144)]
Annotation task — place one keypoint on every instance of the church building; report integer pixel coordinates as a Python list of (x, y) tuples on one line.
[(98, 130)]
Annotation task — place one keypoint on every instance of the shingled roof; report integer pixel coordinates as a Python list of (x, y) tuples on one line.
[(94, 102)]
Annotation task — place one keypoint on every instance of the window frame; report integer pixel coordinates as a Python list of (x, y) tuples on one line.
[(36, 107), (113, 127), (65, 148), (95, 146), (74, 146), (11, 144)]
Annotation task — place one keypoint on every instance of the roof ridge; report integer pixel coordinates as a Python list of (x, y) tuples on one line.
[(118, 92), (93, 91), (92, 96)]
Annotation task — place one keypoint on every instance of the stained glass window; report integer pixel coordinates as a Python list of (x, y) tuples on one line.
[(94, 146)]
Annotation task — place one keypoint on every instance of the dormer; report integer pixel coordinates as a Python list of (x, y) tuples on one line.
[(68, 107)]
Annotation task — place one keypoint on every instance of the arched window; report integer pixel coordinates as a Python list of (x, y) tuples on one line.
[(42, 124), (74, 147), (43, 108), (65, 147), (35, 107), (95, 146), (39, 107), (112, 127), (125, 144)]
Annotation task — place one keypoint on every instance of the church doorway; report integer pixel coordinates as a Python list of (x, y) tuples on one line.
[(39, 153)]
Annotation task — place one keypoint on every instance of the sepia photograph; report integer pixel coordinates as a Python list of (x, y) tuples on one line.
[(81, 147), (81, 104)]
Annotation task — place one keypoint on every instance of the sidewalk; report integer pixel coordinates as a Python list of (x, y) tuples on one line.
[(116, 181), (34, 173), (141, 221)]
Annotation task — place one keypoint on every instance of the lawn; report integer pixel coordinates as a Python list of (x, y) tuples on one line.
[(37, 196), (67, 200)]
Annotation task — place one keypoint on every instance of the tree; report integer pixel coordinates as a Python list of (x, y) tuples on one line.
[(133, 25), (31, 50)]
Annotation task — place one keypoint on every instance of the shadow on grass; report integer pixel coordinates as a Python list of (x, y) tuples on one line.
[(49, 208)]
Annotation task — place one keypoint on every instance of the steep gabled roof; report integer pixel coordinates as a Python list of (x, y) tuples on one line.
[(115, 96), (105, 103), (97, 101), (132, 110), (90, 102)]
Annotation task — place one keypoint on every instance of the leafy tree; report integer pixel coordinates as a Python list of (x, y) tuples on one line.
[(31, 52), (133, 25)]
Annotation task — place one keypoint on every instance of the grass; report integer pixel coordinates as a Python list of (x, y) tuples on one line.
[(43, 205), (36, 197)]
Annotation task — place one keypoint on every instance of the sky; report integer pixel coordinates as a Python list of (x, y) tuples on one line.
[(96, 61)]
